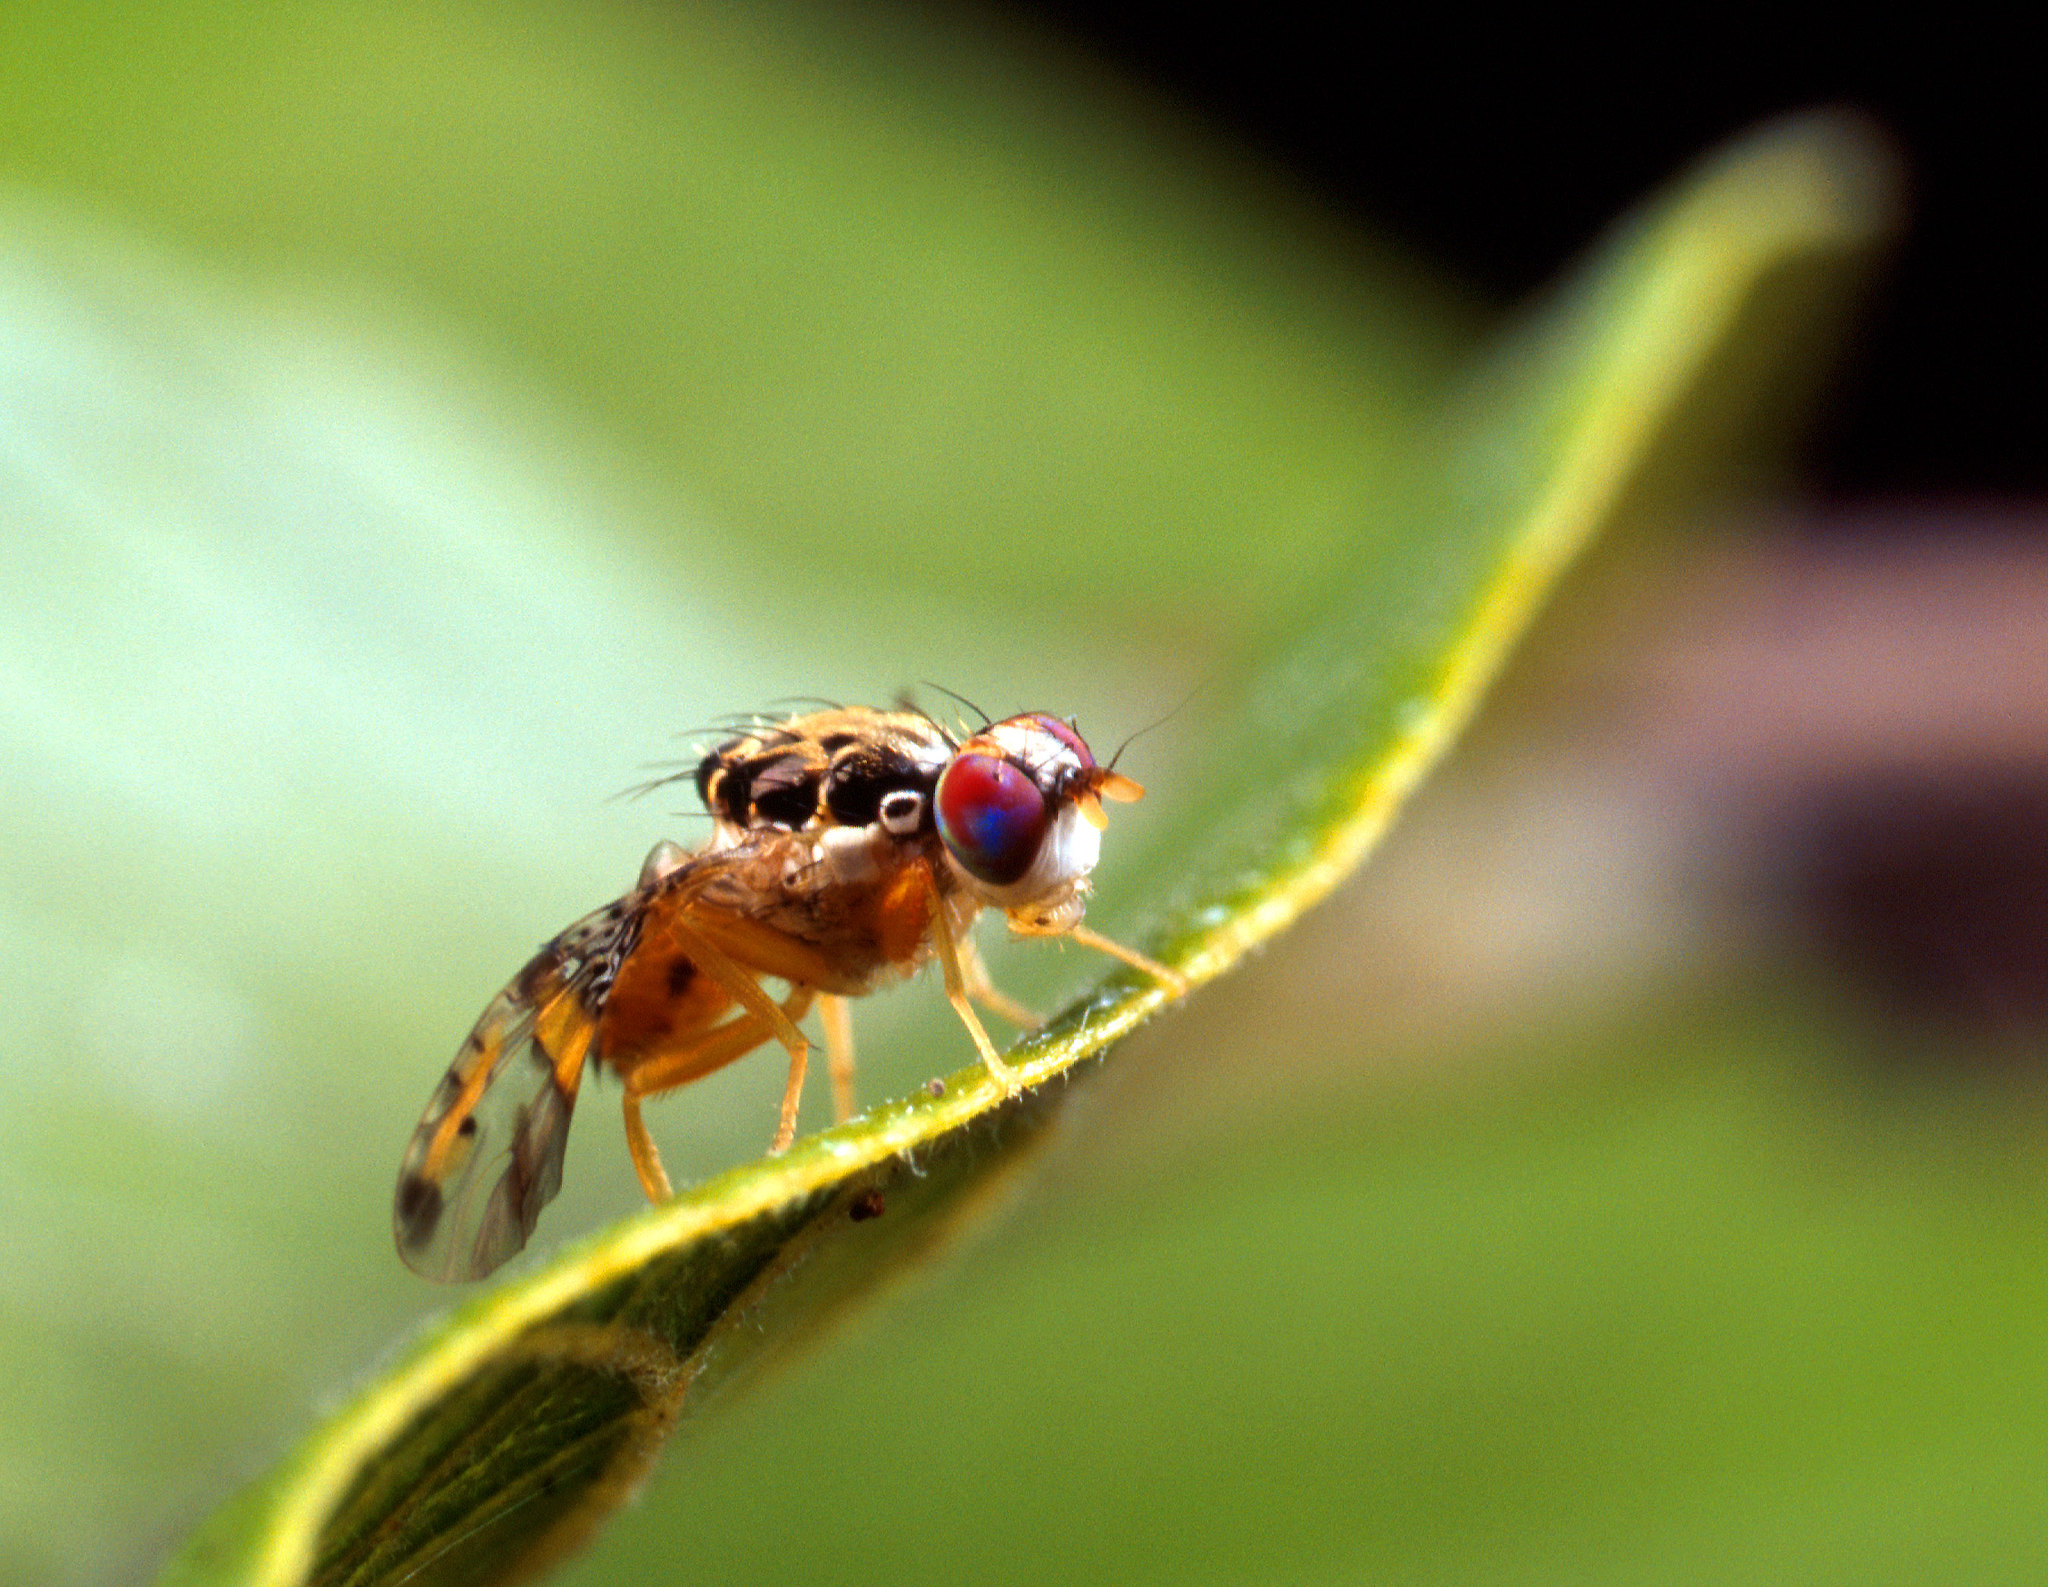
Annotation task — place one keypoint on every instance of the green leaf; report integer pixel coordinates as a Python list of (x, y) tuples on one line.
[(509, 1430)]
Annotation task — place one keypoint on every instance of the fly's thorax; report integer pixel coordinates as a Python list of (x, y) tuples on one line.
[(839, 768)]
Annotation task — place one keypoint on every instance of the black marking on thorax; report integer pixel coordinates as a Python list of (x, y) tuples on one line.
[(765, 780), (863, 774), (787, 779), (783, 791)]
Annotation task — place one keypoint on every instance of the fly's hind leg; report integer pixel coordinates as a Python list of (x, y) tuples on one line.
[(711, 959), (711, 1051)]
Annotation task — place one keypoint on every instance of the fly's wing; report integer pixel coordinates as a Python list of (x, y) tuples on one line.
[(487, 1155)]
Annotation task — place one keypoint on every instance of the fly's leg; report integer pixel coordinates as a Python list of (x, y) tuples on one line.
[(1172, 980), (956, 994), (975, 980), (711, 1051), (712, 960), (838, 1022)]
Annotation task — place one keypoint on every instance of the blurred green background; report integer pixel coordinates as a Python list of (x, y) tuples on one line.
[(415, 420)]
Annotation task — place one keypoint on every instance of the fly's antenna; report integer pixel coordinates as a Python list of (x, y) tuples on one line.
[(986, 719), (1150, 726)]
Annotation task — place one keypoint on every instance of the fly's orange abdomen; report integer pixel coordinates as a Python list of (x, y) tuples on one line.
[(660, 996)]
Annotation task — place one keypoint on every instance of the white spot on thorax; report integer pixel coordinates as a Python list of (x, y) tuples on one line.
[(851, 854)]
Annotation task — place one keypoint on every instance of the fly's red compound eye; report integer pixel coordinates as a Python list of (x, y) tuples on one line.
[(992, 817)]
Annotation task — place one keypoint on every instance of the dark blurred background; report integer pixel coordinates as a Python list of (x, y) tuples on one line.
[(1496, 146), (1858, 715)]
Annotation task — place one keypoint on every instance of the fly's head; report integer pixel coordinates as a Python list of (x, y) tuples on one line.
[(1019, 810)]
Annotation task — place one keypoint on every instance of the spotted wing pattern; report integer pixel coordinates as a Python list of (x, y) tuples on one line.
[(487, 1155)]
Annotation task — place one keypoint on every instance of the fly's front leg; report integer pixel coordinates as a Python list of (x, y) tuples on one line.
[(956, 994), (1172, 981), (975, 979)]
